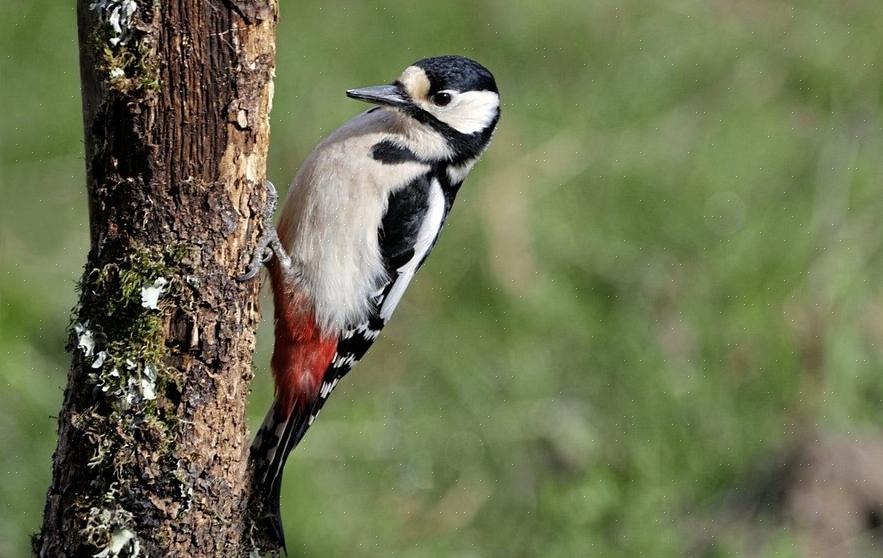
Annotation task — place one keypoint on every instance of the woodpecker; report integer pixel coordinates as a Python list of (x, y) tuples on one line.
[(361, 216)]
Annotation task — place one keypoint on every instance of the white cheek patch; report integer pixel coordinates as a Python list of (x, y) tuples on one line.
[(415, 82), (469, 112)]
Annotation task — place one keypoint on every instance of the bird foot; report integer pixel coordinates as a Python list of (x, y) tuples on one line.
[(269, 243)]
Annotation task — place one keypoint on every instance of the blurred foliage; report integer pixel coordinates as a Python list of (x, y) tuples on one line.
[(666, 270)]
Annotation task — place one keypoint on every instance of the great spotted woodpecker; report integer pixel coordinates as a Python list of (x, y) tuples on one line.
[(360, 218)]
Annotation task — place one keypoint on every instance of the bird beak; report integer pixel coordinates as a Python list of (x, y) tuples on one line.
[(391, 95)]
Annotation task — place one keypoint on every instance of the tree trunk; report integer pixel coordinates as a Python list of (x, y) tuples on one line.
[(152, 439)]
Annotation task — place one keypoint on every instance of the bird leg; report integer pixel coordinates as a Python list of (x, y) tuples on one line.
[(269, 243)]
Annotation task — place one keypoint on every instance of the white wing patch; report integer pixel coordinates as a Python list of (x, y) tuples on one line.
[(427, 234)]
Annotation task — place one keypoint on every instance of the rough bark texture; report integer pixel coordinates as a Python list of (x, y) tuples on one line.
[(152, 441)]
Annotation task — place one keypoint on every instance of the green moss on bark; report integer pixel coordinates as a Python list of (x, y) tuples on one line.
[(126, 57), (129, 351), (132, 419)]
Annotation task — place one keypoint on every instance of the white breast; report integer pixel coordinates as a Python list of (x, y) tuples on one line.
[(332, 213)]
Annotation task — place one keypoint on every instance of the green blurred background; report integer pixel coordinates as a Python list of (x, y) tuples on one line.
[(653, 326)]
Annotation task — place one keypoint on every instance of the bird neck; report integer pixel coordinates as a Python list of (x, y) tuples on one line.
[(435, 142)]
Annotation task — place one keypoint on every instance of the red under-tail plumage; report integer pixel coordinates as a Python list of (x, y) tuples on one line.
[(301, 356)]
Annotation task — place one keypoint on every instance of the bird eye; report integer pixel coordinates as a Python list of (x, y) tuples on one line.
[(441, 98)]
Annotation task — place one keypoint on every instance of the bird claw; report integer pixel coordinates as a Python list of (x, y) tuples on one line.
[(269, 243), (251, 271)]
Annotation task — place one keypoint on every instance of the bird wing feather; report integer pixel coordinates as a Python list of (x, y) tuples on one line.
[(410, 227)]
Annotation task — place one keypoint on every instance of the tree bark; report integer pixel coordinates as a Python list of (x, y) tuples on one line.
[(152, 438)]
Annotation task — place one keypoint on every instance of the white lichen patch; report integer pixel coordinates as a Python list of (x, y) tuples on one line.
[(119, 14), (123, 542), (131, 395), (148, 383), (107, 529), (136, 390), (127, 388), (150, 293), (85, 338), (99, 359), (117, 73), (113, 375)]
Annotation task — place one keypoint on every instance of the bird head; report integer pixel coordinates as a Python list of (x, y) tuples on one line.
[(455, 96)]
